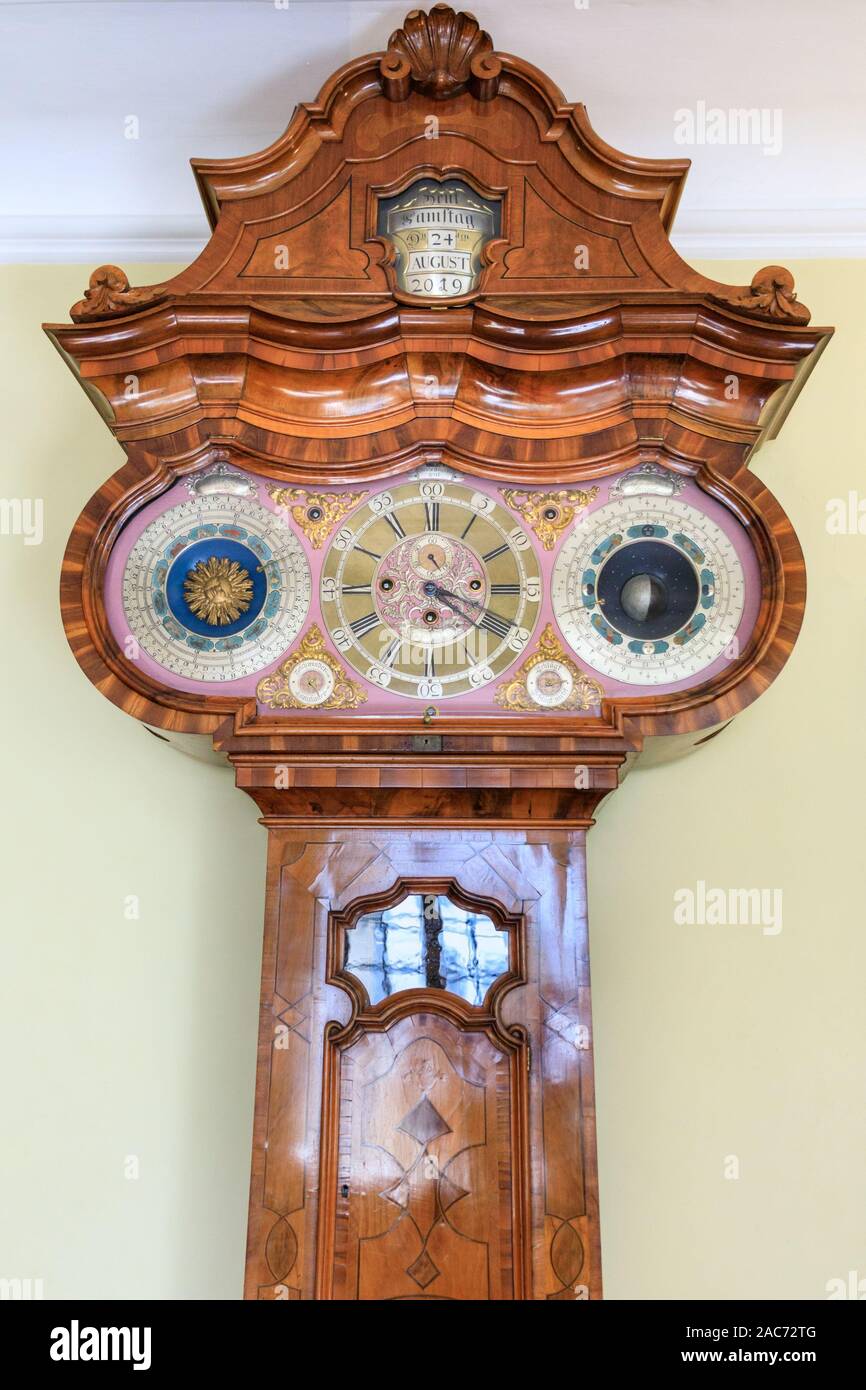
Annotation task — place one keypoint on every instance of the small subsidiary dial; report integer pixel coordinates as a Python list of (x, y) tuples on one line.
[(549, 683), (312, 683)]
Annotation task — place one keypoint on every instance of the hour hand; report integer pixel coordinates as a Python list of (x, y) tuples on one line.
[(437, 591)]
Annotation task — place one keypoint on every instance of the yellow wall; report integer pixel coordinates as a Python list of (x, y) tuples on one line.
[(136, 1038)]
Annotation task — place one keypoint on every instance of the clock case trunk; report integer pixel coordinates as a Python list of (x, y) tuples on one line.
[(422, 1148)]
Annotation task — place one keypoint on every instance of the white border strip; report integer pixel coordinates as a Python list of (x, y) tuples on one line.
[(94, 241), (772, 235), (720, 234)]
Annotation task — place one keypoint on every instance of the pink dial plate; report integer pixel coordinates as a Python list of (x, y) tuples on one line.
[(143, 606)]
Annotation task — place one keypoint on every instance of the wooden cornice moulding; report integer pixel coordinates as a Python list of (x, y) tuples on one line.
[(406, 74), (184, 336), (293, 386)]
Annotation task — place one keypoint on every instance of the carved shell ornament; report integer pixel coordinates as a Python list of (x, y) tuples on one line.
[(440, 54)]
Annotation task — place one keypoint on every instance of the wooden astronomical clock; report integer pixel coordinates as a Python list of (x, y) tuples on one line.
[(436, 515)]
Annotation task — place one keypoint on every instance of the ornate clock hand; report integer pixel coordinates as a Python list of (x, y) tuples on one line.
[(439, 591), (436, 591), (491, 622), (464, 598)]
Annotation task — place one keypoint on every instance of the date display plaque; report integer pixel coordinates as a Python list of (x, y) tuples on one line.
[(439, 231)]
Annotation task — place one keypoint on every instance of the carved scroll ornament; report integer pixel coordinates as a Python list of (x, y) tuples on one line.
[(109, 293), (771, 295)]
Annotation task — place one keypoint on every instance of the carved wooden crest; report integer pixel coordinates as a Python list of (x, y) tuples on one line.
[(578, 217)]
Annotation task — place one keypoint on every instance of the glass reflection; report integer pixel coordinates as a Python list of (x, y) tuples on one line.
[(426, 941)]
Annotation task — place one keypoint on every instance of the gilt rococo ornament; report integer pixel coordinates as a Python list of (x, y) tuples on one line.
[(549, 513), (316, 513), (549, 679), (311, 678)]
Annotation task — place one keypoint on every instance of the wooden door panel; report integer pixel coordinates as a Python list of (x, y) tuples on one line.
[(425, 1200)]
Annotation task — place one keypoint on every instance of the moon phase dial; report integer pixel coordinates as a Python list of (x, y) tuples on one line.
[(431, 589), (649, 590), (216, 588)]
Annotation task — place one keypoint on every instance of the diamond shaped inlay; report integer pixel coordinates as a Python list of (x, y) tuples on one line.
[(295, 1016), (400, 1194), (566, 1023), (424, 1123), (423, 1271), (449, 1192)]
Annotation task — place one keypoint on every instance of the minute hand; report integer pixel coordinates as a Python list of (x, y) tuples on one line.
[(439, 592), (447, 594)]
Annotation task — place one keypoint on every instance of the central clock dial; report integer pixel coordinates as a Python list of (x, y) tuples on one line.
[(430, 589)]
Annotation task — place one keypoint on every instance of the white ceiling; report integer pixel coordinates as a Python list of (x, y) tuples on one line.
[(220, 78)]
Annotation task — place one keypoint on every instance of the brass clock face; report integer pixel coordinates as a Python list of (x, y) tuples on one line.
[(430, 589)]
